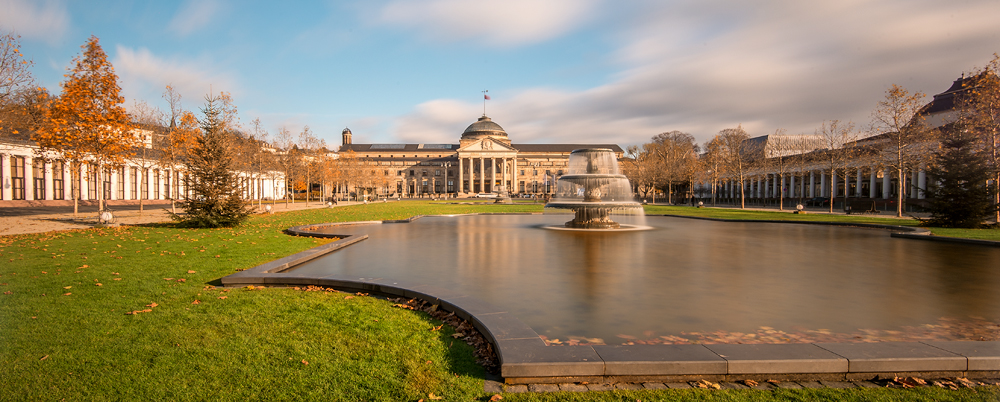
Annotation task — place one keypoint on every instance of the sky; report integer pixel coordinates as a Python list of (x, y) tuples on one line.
[(557, 71)]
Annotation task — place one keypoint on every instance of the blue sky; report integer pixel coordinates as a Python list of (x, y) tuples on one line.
[(558, 71)]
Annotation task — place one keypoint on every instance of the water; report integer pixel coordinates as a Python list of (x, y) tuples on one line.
[(682, 276)]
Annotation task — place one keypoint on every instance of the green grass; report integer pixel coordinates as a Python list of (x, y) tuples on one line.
[(63, 336)]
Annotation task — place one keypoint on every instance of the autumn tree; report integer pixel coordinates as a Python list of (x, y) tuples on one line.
[(215, 198), (147, 122), (87, 121), (738, 156), (906, 140), (288, 157), (979, 112)]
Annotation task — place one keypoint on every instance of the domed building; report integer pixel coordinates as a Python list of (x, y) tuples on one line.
[(484, 161)]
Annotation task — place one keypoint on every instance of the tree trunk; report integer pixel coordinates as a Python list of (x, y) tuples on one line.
[(899, 195)]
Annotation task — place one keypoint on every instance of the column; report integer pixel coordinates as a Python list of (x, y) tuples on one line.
[(115, 178), (791, 186), (29, 179), (67, 182), (461, 185), (833, 184), (921, 183), (493, 174), (513, 181), (871, 183), (812, 184), (6, 192), (84, 184), (859, 179), (764, 186), (150, 191), (913, 184), (482, 174), (847, 184), (49, 183), (886, 184), (822, 184)]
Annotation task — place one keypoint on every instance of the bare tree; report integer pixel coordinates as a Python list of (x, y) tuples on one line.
[(839, 139), (309, 145), (712, 160), (16, 87), (640, 168), (905, 142), (287, 157), (675, 151), (149, 125), (738, 155)]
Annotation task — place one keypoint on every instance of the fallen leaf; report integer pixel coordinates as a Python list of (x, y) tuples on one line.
[(457, 335), (434, 397), (437, 327), (98, 284), (168, 279), (495, 398), (223, 297), (191, 272), (305, 362), (750, 383), (67, 287), (66, 294), (118, 279), (152, 304), (196, 302), (348, 297), (44, 357)]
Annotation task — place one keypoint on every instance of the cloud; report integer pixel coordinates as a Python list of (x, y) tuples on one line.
[(44, 20), (701, 68), (194, 15), (496, 22), (144, 76)]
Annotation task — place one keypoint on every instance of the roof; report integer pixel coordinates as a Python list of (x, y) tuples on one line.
[(439, 148), (484, 126)]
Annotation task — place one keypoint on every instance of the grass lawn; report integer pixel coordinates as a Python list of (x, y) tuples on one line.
[(65, 332)]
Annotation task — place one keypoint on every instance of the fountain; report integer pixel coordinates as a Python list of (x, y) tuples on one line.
[(594, 189)]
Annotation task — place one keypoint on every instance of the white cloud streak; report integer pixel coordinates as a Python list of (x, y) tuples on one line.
[(144, 75), (194, 15), (700, 68), (44, 20), (495, 22)]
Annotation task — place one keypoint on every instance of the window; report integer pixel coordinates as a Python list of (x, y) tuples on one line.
[(17, 177), (522, 172), (135, 182), (144, 184), (560, 172), (121, 183), (399, 173), (411, 173), (91, 183), (535, 172), (385, 173), (38, 176), (423, 173), (58, 183), (437, 172), (156, 184), (548, 172)]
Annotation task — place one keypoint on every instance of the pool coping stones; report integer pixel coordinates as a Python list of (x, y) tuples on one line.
[(526, 359)]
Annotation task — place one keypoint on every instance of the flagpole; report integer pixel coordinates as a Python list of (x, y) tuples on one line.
[(485, 97)]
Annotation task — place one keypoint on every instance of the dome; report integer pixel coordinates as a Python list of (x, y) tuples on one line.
[(346, 131), (484, 127)]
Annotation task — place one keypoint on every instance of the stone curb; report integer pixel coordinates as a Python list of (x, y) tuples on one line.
[(525, 359)]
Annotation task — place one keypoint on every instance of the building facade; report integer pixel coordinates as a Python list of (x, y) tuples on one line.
[(484, 161)]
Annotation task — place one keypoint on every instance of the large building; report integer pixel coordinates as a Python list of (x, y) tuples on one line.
[(484, 161)]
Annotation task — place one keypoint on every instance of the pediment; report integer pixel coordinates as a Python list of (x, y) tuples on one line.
[(487, 145)]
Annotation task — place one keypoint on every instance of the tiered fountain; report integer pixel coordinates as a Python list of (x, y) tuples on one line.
[(594, 190)]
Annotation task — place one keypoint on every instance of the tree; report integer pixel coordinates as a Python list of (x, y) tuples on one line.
[(962, 197), (979, 111), (309, 145), (215, 198), (287, 159), (839, 139), (17, 92), (147, 121), (181, 137), (906, 142), (87, 121), (738, 155), (713, 161), (640, 168), (676, 152)]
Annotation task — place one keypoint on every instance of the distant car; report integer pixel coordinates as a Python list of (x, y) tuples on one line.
[(486, 195), (818, 202)]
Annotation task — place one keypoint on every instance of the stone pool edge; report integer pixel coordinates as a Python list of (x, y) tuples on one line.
[(525, 359)]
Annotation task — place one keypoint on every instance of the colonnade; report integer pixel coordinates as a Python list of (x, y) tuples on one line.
[(24, 177), (507, 169), (819, 183)]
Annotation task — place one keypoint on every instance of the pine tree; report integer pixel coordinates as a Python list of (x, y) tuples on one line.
[(215, 199), (961, 197)]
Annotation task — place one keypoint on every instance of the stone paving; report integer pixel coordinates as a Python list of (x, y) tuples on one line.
[(492, 386)]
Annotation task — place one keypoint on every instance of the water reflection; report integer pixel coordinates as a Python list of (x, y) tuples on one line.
[(683, 276)]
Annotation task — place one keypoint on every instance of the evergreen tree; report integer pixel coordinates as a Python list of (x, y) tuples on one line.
[(961, 197), (215, 199)]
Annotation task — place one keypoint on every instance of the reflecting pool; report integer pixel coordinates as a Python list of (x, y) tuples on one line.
[(683, 276)]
